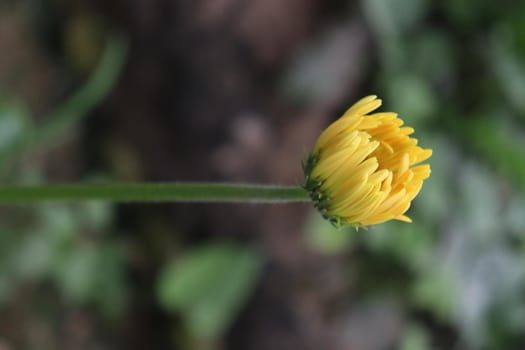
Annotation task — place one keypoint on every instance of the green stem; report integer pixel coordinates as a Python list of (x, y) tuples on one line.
[(76, 107), (154, 192)]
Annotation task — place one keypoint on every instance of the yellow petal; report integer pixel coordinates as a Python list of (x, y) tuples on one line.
[(365, 166)]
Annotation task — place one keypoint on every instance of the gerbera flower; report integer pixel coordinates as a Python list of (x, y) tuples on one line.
[(363, 168)]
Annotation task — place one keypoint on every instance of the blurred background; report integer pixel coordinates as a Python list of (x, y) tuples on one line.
[(238, 90)]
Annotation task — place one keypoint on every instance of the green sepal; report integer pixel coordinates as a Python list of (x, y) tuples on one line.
[(320, 197), (309, 164)]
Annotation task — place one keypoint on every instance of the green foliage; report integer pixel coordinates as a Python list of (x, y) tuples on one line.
[(461, 86), (415, 338), (14, 124), (58, 244), (509, 70), (93, 274), (17, 138), (390, 18), (412, 97), (208, 285), (437, 289), (51, 247), (493, 139), (453, 69), (325, 237)]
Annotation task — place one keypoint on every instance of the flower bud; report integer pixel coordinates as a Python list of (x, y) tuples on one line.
[(363, 168)]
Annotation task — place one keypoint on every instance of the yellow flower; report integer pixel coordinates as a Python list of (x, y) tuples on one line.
[(361, 170)]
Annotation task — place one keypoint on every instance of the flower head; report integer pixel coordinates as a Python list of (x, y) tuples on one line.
[(362, 170)]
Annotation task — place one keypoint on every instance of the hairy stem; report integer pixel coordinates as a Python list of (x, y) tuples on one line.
[(154, 192)]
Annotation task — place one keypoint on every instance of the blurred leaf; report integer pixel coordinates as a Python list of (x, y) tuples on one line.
[(476, 184), (32, 258), (208, 285), (488, 280), (415, 338), (510, 72), (88, 96), (435, 56), (8, 245), (13, 124), (501, 144), (516, 28), (77, 272), (409, 243), (58, 223), (89, 273), (412, 97), (437, 289), (6, 286), (93, 215), (464, 12), (325, 238), (109, 288), (391, 17), (78, 105), (513, 216), (64, 221), (468, 15)]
